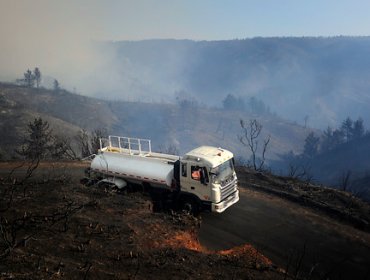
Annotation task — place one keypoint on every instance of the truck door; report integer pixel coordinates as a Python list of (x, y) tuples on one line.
[(195, 179)]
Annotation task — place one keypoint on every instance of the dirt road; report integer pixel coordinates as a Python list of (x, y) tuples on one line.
[(291, 236)]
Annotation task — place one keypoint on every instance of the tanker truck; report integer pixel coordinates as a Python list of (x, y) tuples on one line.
[(203, 179)]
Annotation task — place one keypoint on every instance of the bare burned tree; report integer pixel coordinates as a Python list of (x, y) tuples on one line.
[(345, 180), (97, 134), (29, 78), (17, 230), (300, 171), (56, 85), (62, 148), (294, 268), (37, 76), (250, 139), (84, 143), (89, 143)]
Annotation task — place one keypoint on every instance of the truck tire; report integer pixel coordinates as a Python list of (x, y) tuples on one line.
[(190, 206), (88, 182), (106, 185)]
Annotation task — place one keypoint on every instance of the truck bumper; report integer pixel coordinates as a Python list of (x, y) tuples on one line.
[(226, 203)]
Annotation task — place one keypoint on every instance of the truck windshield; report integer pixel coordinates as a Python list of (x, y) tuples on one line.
[(222, 172)]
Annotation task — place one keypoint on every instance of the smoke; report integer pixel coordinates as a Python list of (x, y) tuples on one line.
[(49, 35), (326, 79), (64, 39)]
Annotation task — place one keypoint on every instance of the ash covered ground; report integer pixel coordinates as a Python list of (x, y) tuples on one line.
[(51, 226), (54, 227)]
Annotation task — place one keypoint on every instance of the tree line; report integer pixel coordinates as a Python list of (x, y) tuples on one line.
[(317, 148), (350, 130), (33, 79), (252, 104)]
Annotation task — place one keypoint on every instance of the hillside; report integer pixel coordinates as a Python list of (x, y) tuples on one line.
[(67, 113), (95, 233), (170, 125), (348, 159), (164, 124), (339, 204), (326, 79)]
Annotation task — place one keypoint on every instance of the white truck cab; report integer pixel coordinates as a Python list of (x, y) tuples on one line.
[(216, 184)]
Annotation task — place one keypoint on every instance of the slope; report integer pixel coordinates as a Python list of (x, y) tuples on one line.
[(66, 113), (164, 124), (324, 78)]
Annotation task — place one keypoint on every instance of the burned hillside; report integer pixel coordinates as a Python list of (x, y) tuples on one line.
[(54, 227)]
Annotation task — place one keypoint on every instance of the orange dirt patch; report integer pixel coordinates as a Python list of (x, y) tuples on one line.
[(247, 250), (185, 239), (152, 235)]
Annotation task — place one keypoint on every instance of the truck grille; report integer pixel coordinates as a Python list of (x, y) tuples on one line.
[(228, 187)]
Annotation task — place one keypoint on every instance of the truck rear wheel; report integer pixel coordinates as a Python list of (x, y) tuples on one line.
[(108, 185), (190, 206)]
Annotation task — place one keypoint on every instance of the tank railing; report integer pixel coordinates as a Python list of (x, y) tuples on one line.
[(127, 145)]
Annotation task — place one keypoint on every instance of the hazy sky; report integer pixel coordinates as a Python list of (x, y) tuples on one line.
[(55, 35), (186, 19)]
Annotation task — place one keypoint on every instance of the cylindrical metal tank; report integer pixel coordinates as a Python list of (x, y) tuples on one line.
[(135, 168)]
